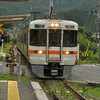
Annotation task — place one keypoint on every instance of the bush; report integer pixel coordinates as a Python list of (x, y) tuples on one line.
[(85, 37), (2, 59), (23, 72), (93, 58)]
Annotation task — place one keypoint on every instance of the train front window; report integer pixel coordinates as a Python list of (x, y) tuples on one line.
[(38, 37), (69, 38), (54, 37)]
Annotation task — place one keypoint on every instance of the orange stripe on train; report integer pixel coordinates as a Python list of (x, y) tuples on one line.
[(51, 52)]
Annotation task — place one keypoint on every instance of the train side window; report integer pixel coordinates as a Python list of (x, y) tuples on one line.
[(69, 38), (38, 37)]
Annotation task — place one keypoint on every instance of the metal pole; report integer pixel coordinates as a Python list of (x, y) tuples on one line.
[(18, 67), (2, 46), (99, 32), (35, 13), (99, 47), (97, 27), (51, 9), (96, 34), (12, 67)]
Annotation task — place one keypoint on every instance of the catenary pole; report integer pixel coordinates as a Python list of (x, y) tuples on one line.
[(51, 9), (18, 67), (2, 46), (97, 26)]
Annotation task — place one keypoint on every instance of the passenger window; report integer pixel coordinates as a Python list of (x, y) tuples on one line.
[(69, 38), (38, 37)]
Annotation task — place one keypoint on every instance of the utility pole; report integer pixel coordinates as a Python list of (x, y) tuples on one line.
[(35, 13), (18, 67), (51, 9), (97, 26), (2, 45)]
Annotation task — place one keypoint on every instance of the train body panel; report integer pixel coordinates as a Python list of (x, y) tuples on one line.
[(41, 58), (50, 46)]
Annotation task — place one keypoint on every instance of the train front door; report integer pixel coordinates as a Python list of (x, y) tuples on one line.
[(54, 45)]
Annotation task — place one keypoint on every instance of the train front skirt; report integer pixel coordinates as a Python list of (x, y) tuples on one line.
[(42, 71)]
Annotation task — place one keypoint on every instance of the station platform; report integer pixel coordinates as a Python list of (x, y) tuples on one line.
[(12, 90)]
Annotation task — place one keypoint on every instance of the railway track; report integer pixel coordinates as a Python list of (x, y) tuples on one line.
[(56, 97), (53, 94), (79, 96)]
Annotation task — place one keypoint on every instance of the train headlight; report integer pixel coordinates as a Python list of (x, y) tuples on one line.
[(57, 25), (67, 52), (40, 51), (52, 25)]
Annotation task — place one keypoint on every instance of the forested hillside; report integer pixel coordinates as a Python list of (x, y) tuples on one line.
[(60, 5), (76, 10), (83, 17)]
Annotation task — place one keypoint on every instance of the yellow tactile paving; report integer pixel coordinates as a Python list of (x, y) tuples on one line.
[(13, 93), (3, 81)]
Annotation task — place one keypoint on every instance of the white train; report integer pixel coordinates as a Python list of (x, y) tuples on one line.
[(50, 45)]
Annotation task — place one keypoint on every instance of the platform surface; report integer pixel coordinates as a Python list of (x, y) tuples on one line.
[(11, 90)]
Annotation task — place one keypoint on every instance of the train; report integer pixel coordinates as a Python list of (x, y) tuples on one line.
[(50, 46)]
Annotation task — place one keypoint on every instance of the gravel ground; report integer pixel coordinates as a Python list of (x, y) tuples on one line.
[(86, 73)]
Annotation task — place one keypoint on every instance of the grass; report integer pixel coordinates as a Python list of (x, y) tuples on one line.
[(4, 48), (87, 62), (93, 92), (89, 92), (59, 89), (14, 78)]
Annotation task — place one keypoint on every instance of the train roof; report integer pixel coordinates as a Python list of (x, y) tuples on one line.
[(43, 21), (47, 23)]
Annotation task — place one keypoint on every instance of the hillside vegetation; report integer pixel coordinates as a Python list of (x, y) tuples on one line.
[(84, 38), (83, 17), (76, 10), (42, 5)]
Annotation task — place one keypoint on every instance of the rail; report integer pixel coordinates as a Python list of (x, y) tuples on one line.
[(84, 82), (80, 97), (54, 96)]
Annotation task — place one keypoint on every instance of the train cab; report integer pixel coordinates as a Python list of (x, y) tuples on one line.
[(52, 47)]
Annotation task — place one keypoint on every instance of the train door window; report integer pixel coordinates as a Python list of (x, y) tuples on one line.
[(54, 37), (69, 38), (38, 37)]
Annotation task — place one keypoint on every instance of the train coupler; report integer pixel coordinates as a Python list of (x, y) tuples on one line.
[(53, 69)]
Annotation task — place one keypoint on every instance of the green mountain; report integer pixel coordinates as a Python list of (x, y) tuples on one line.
[(76, 10), (83, 17), (42, 5)]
